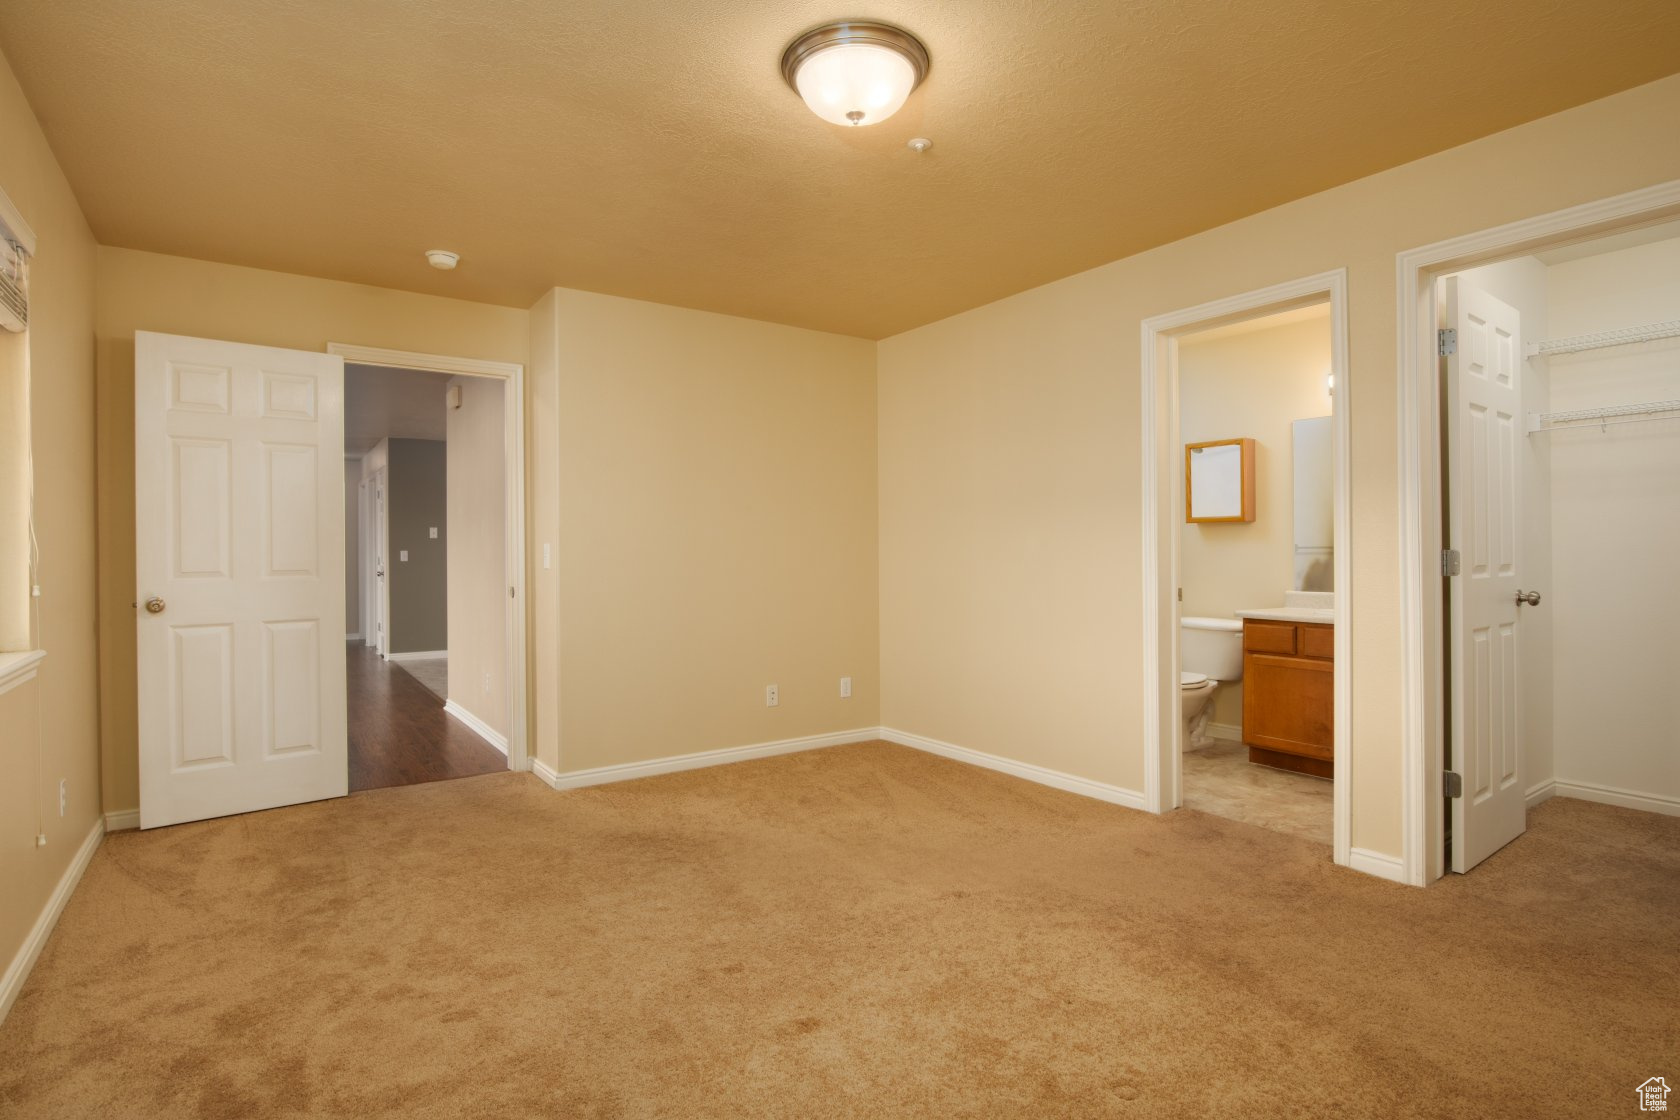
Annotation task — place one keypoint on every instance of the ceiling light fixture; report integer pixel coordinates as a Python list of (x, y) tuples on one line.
[(855, 73), (442, 259)]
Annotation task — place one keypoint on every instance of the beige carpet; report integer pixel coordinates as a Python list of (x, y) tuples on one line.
[(861, 931)]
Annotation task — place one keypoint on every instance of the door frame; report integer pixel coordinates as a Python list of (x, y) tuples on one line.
[(1163, 487), (364, 556), (512, 376), (1423, 715), (379, 537), (359, 634)]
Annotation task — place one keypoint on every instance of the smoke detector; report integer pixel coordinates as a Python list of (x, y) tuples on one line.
[(442, 259)]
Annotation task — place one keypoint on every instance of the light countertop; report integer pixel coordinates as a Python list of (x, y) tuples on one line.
[(1291, 614)]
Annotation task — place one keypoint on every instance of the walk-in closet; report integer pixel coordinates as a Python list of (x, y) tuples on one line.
[(1570, 500)]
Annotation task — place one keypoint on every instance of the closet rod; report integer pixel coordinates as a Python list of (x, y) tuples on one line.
[(1604, 417), (1626, 336)]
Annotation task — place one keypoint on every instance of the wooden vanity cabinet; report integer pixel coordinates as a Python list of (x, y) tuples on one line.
[(1288, 694)]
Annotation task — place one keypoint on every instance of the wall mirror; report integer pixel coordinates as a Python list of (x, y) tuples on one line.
[(1315, 517), (1219, 480)]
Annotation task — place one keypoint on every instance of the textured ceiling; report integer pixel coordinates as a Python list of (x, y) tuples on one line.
[(648, 148)]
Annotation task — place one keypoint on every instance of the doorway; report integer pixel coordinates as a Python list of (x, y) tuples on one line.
[(1257, 572), (430, 689), (1169, 477), (1558, 617), (1430, 629), (242, 550)]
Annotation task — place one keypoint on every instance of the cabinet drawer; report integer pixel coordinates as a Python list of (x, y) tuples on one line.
[(1318, 641), (1268, 637)]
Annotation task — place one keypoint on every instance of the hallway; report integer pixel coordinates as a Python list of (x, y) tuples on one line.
[(399, 733)]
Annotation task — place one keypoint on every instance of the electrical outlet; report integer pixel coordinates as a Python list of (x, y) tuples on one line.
[(432, 531), (845, 688), (403, 556), (487, 683), (545, 555), (63, 795), (772, 696)]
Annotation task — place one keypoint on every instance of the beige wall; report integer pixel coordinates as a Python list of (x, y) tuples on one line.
[(61, 410), (1010, 547), (716, 530), (1616, 530), (478, 599), (1252, 383), (147, 291)]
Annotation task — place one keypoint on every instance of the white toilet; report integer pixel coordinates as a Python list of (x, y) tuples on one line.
[(1209, 653)]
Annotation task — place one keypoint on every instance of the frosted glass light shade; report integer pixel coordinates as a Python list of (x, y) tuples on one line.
[(855, 74), (855, 83)]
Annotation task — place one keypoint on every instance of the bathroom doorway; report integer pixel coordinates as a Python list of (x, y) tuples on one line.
[(1257, 572), (1241, 586)]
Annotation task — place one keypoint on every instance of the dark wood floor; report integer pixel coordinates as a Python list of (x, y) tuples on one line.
[(399, 734)]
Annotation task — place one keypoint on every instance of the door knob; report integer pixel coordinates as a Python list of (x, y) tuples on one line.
[(1532, 598), (154, 605)]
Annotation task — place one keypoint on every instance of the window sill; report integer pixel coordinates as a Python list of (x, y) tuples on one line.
[(15, 668)]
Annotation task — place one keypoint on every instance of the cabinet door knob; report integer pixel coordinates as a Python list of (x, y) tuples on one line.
[(154, 605)]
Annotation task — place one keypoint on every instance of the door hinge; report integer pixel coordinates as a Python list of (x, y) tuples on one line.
[(1449, 562), (1446, 341), (1452, 784), (510, 593)]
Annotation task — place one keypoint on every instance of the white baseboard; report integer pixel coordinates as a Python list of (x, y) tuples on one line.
[(549, 775), (352, 637), (18, 971), (122, 820), (601, 775), (1382, 866), (1229, 732), (1115, 795), (485, 731), (1541, 791), (418, 655), (1611, 795)]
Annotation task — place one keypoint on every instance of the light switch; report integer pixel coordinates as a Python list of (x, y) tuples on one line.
[(403, 556), (434, 532)]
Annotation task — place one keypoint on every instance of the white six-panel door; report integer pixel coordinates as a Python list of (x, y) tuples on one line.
[(1485, 434), (239, 534)]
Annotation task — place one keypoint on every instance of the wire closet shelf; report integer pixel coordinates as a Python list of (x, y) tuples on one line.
[(1612, 415)]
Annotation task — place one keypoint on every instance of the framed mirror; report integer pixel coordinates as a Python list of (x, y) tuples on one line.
[(1219, 480)]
